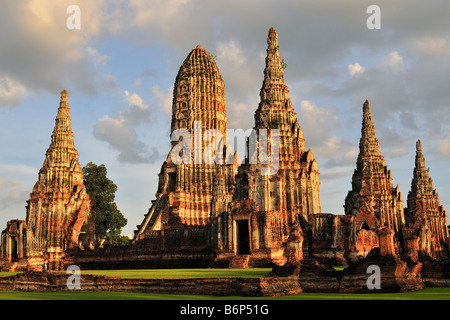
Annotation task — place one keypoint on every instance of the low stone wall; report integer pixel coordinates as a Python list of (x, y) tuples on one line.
[(57, 281), (130, 258), (436, 273), (395, 275)]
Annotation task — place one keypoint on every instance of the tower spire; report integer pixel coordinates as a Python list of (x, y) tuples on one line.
[(273, 90), (421, 182), (62, 132), (368, 144), (64, 100), (273, 49), (420, 158), (424, 213), (198, 105), (59, 206), (372, 190), (275, 112)]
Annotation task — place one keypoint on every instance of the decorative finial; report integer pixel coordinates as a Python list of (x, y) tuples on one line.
[(199, 50), (419, 146), (272, 39), (64, 102), (64, 95), (366, 109), (272, 33)]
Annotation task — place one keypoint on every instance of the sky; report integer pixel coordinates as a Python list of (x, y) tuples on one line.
[(120, 62)]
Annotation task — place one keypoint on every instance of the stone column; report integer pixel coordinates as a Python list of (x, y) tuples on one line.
[(386, 241)]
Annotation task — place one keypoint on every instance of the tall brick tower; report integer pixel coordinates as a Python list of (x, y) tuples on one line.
[(185, 189), (199, 93), (263, 220), (58, 211), (424, 213), (297, 175), (373, 199)]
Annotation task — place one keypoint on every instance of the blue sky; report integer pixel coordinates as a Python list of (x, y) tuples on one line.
[(120, 66)]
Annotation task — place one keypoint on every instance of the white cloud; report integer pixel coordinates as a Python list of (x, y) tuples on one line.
[(96, 56), (398, 152), (337, 172), (434, 45), (443, 147), (392, 62), (16, 181), (12, 193), (156, 10), (120, 132), (240, 116), (315, 121), (392, 142), (230, 53), (135, 100), (320, 125), (144, 73), (242, 73), (109, 82), (42, 54), (164, 99), (16, 169), (355, 69), (11, 92)]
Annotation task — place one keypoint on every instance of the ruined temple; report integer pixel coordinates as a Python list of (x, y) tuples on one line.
[(426, 229), (266, 209), (185, 190), (374, 213), (212, 208), (373, 197), (273, 195), (250, 211), (58, 211), (373, 200)]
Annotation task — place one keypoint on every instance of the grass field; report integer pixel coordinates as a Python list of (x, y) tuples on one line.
[(178, 273), (425, 294), (175, 273), (182, 273)]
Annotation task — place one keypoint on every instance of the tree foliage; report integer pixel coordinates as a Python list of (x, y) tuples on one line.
[(107, 217)]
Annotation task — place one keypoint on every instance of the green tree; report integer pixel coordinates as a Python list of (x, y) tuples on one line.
[(107, 217)]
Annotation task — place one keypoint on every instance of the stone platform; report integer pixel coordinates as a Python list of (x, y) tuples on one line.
[(57, 281)]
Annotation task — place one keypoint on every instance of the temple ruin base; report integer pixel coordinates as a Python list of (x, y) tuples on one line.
[(309, 276), (57, 281)]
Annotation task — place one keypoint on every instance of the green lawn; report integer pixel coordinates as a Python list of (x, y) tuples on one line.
[(175, 273), (181, 273), (425, 294)]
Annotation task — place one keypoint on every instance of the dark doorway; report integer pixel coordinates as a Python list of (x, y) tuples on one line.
[(172, 182), (243, 239), (365, 226), (14, 257)]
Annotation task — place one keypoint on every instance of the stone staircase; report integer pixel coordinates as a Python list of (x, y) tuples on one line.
[(239, 261)]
